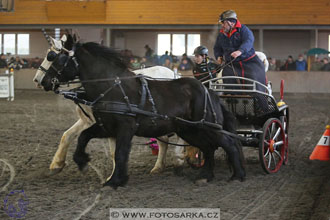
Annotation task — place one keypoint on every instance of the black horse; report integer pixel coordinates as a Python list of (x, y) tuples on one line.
[(125, 105)]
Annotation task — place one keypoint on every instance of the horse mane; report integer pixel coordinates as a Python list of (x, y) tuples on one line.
[(111, 55)]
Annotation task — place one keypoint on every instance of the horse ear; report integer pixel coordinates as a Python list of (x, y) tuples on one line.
[(64, 38)]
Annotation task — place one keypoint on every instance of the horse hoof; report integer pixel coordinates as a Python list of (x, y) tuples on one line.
[(82, 161), (55, 171), (84, 169), (201, 182), (115, 183), (156, 170), (241, 179), (114, 186)]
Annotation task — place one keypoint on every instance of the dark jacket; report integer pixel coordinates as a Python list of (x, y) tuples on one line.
[(3, 63), (288, 66), (241, 38), (205, 71)]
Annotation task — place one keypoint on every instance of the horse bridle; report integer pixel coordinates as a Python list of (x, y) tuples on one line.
[(58, 72)]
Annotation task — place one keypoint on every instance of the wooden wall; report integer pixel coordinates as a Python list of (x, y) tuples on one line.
[(200, 12)]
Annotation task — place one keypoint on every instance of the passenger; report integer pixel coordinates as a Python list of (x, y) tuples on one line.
[(234, 46), (204, 68)]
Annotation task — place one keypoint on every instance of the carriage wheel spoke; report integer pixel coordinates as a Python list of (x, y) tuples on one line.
[(266, 154), (274, 160), (278, 143), (272, 129), (269, 160), (278, 154), (277, 133)]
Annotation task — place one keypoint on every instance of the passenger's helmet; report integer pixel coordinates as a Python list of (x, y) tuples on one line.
[(201, 50), (229, 14)]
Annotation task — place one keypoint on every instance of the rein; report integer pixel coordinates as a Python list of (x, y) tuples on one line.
[(221, 67)]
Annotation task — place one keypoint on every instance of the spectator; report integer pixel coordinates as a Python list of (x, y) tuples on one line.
[(316, 64), (3, 61), (184, 65), (164, 57), (174, 58), (145, 63), (36, 62), (326, 65), (16, 63), (301, 64), (184, 56), (168, 64), (149, 52), (289, 65), (134, 63), (272, 64)]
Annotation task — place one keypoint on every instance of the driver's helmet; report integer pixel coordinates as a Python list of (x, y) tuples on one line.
[(229, 14), (201, 50)]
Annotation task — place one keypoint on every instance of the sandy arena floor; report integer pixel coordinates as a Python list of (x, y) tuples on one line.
[(31, 128)]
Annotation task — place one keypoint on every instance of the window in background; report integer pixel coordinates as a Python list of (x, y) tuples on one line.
[(57, 33), (1, 43), (178, 44), (193, 41), (9, 43), (23, 44), (164, 43)]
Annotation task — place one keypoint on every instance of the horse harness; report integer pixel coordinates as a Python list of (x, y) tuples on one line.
[(126, 108), (129, 109)]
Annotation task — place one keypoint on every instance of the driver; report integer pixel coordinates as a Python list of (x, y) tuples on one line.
[(234, 46)]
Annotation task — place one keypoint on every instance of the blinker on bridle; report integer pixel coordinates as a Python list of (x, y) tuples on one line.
[(52, 56)]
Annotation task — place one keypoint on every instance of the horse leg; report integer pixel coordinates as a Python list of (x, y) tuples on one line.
[(179, 153), (58, 161), (161, 159), (206, 173), (112, 144), (80, 156), (84, 122), (233, 149), (123, 147)]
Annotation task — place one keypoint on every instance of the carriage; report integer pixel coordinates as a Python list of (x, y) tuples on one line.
[(263, 122)]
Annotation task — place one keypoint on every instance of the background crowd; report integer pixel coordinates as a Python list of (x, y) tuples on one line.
[(18, 63), (185, 63), (170, 61)]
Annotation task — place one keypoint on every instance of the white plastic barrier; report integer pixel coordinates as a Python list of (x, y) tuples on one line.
[(7, 85)]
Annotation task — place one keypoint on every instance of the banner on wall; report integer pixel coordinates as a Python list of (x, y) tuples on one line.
[(7, 86)]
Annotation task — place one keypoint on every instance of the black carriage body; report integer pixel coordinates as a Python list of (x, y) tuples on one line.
[(257, 113)]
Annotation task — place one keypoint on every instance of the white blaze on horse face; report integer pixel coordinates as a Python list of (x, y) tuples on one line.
[(40, 74), (57, 44)]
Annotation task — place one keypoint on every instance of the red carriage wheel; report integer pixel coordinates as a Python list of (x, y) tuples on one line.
[(272, 145)]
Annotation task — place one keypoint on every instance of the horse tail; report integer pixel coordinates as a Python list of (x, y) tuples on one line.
[(230, 125)]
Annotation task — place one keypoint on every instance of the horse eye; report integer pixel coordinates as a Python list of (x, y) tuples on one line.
[(51, 56)]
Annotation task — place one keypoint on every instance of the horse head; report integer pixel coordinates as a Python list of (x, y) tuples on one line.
[(57, 62)]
